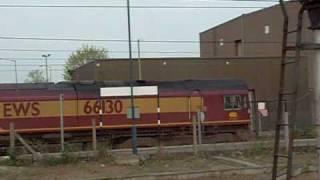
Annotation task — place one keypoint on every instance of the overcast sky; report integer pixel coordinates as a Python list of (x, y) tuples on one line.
[(104, 23)]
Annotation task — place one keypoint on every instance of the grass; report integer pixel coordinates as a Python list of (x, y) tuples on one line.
[(257, 148), (64, 158), (307, 132)]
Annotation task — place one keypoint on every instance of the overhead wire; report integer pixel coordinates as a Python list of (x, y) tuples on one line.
[(146, 7), (132, 7), (108, 51), (32, 65), (40, 59), (25, 70), (125, 40)]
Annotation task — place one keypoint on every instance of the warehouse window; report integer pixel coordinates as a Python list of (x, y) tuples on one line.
[(221, 43), (232, 102), (266, 29), (238, 47)]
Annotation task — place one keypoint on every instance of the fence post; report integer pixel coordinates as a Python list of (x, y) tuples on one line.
[(195, 143), (199, 128), (285, 117), (12, 141), (159, 122), (94, 136), (61, 123), (13, 135), (259, 132), (35, 154)]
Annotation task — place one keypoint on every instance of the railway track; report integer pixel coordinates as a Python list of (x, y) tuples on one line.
[(217, 147), (83, 142)]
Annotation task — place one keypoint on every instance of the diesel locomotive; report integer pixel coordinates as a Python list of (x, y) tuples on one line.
[(222, 105)]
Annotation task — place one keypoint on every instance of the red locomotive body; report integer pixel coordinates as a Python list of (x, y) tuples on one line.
[(35, 108)]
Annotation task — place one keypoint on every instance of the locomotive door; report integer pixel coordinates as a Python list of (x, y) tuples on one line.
[(196, 107), (213, 108)]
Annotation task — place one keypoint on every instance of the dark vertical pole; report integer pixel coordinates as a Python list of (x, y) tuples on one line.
[(194, 133), (281, 87), (47, 77), (61, 122), (12, 140), (139, 61), (199, 127), (134, 127), (94, 136), (50, 69), (45, 56), (158, 117), (15, 71), (293, 114)]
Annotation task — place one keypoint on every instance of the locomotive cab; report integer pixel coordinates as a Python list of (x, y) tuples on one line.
[(235, 106)]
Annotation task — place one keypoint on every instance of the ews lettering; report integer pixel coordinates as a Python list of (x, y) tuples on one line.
[(21, 109)]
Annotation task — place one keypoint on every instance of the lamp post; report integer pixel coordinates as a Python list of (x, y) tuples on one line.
[(134, 127), (50, 71), (15, 67), (139, 61), (45, 56)]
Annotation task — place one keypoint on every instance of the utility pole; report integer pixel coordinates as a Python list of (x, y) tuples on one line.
[(15, 67), (15, 70), (139, 61), (50, 69), (62, 122), (317, 93), (134, 126), (313, 8), (45, 56)]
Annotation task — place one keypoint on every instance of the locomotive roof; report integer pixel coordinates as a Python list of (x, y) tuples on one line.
[(204, 85), (26, 86), (163, 85)]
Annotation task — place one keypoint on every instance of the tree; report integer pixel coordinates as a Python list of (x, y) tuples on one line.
[(35, 76), (83, 55)]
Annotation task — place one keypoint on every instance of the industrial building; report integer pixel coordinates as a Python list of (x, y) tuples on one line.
[(256, 34)]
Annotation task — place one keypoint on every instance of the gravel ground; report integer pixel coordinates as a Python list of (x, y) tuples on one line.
[(72, 168)]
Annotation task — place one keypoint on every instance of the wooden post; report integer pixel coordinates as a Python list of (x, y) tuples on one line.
[(259, 124), (252, 110), (12, 141), (13, 135), (159, 122), (199, 128), (94, 136), (285, 117), (61, 123), (195, 143), (25, 144)]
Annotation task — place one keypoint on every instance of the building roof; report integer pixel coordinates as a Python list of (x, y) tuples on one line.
[(185, 85), (248, 14)]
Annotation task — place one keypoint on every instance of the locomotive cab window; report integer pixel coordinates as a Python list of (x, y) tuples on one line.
[(232, 102)]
